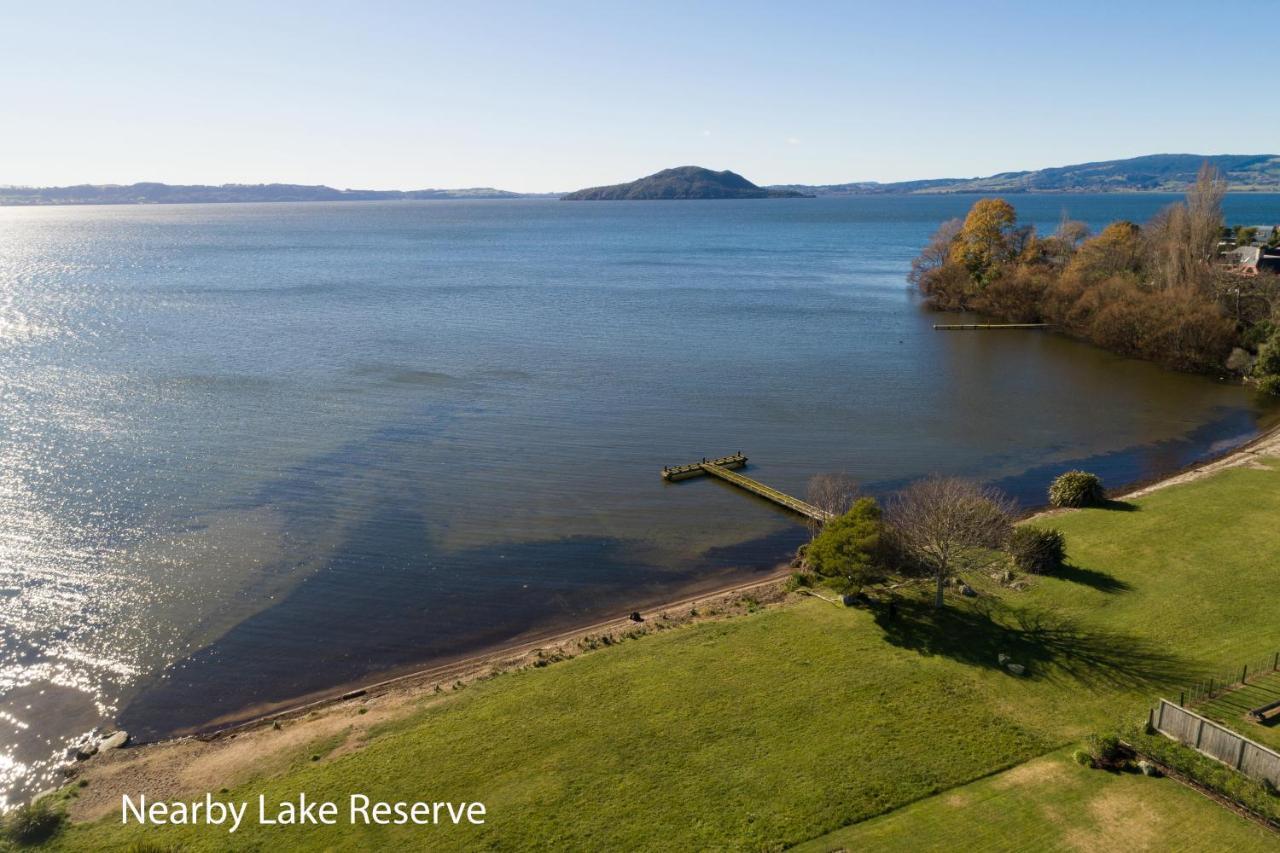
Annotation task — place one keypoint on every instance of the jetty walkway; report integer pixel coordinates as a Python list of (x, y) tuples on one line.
[(722, 468)]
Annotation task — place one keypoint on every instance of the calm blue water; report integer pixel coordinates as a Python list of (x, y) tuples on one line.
[(251, 451)]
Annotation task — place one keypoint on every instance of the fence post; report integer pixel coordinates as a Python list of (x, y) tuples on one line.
[(1182, 698), (1244, 674), (1210, 693), (1240, 755), (1199, 732)]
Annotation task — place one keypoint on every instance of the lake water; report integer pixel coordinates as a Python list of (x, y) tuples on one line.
[(252, 451)]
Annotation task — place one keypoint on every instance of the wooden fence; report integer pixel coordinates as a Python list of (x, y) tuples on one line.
[(1252, 759)]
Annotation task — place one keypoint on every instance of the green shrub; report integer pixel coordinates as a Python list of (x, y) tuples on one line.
[(1083, 758), (799, 580), (1256, 335), (1077, 488), (847, 554), (1268, 363), (1270, 385), (1037, 551), (32, 823)]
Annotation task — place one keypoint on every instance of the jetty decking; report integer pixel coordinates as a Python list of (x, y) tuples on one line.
[(722, 468)]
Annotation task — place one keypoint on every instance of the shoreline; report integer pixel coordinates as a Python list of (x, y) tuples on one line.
[(524, 647), (173, 767)]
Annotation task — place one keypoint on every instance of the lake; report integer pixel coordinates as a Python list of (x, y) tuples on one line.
[(252, 451)]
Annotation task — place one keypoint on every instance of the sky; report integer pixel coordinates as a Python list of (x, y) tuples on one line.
[(553, 96)]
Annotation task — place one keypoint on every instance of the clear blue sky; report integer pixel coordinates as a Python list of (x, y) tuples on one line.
[(541, 96)]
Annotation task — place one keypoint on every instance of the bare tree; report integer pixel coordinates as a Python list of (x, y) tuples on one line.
[(833, 493), (935, 254), (940, 518), (1183, 238), (1204, 213)]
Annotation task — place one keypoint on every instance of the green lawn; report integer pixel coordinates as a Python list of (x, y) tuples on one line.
[(1052, 803), (785, 725)]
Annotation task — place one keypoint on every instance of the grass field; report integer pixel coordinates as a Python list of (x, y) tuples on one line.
[(1052, 803), (785, 725)]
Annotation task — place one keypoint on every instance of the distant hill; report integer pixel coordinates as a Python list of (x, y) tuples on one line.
[(684, 182), (152, 193), (1152, 173)]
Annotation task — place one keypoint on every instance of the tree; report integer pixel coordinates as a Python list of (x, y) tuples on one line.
[(847, 553), (1183, 238), (937, 520), (832, 493), (935, 254), (988, 239)]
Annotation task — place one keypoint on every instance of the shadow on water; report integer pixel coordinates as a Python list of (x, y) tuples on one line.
[(1048, 644), (1099, 580), (1131, 466), (387, 604)]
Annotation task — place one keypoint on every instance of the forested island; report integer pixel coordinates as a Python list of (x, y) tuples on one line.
[(683, 182), (1173, 291)]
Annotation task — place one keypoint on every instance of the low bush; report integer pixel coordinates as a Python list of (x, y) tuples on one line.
[(1082, 757), (33, 822), (1268, 363), (1077, 488), (1107, 751), (799, 580), (1270, 385), (1037, 551)]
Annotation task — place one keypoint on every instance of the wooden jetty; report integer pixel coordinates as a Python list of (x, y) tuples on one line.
[(956, 327), (722, 468)]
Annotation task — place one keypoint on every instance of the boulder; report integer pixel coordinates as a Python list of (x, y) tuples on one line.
[(1016, 668), (967, 591), (115, 740), (1003, 658), (1147, 768), (86, 750)]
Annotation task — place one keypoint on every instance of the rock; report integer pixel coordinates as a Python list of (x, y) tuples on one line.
[(636, 617), (1148, 769), (1003, 658), (85, 751), (1006, 577), (1016, 668), (967, 591), (115, 740)]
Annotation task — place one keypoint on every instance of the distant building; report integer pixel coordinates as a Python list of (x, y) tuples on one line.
[(1251, 260)]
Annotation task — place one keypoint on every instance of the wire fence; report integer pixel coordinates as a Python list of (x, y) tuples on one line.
[(1215, 685)]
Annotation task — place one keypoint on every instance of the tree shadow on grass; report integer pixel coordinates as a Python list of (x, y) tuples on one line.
[(1100, 581), (1048, 644), (1117, 506)]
